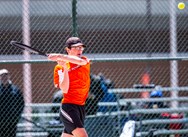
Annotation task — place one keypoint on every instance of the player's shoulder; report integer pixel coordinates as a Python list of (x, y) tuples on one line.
[(86, 58)]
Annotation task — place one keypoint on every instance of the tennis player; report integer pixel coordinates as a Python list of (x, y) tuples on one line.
[(75, 84)]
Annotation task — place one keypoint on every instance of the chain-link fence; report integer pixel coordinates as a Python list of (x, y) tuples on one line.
[(139, 65)]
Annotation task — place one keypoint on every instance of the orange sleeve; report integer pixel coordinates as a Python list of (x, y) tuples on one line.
[(56, 75)]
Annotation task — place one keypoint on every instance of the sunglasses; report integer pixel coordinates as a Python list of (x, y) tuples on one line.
[(78, 48)]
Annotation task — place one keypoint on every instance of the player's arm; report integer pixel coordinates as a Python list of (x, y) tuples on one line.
[(67, 58), (64, 82), (64, 85)]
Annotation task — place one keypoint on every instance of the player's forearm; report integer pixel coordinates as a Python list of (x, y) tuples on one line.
[(64, 85), (68, 58)]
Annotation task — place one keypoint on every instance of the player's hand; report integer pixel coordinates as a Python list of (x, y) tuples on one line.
[(62, 63)]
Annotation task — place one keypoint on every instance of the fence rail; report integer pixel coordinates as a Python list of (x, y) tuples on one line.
[(103, 59)]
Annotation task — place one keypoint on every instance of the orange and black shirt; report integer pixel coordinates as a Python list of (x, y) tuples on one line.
[(79, 82)]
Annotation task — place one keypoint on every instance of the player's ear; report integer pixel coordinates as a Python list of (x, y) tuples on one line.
[(67, 50)]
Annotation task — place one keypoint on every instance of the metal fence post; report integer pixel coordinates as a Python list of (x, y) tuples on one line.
[(74, 18)]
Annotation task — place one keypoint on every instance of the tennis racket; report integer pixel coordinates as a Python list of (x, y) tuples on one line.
[(27, 48)]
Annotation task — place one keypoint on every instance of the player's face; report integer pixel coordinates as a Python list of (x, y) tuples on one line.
[(76, 51)]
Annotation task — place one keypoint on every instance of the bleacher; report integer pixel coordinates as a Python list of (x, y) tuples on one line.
[(112, 122)]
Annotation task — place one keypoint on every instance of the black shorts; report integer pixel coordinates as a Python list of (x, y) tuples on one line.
[(72, 116)]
